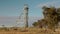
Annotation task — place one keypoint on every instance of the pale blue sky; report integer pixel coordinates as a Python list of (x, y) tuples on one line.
[(13, 8)]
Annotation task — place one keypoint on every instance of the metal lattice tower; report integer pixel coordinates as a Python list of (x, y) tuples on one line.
[(26, 15)]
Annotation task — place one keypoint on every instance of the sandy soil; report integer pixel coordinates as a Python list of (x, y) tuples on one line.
[(29, 31)]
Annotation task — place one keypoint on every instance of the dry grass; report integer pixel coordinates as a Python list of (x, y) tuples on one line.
[(29, 31)]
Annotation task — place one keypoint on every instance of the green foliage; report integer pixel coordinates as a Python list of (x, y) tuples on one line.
[(35, 23), (51, 17)]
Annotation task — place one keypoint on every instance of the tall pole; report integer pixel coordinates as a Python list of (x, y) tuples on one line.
[(26, 15)]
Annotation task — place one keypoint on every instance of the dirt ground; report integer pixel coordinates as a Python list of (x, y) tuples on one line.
[(29, 31)]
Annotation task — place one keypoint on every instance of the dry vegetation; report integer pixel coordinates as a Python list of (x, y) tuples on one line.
[(28, 31)]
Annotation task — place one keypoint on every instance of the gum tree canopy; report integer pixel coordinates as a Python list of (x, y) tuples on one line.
[(51, 17)]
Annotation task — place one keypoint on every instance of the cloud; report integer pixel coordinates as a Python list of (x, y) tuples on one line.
[(52, 3), (11, 21), (8, 21)]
